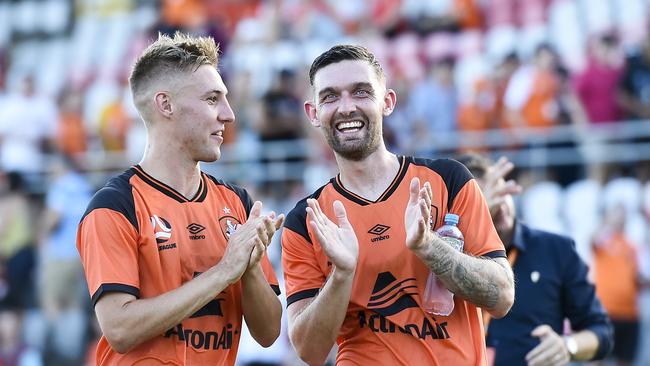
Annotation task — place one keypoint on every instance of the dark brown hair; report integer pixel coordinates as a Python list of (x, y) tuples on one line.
[(344, 52)]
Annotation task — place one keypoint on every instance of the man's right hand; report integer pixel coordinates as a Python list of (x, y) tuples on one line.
[(257, 231), (272, 225), (339, 242), (494, 186)]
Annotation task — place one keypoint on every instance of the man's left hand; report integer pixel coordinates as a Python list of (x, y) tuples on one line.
[(271, 225), (551, 350), (418, 215)]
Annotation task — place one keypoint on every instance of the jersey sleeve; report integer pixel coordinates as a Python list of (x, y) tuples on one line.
[(302, 276), (108, 246), (481, 238)]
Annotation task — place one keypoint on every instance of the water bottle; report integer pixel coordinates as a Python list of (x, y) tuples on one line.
[(437, 299)]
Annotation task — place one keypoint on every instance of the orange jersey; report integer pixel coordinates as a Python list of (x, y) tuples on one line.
[(616, 277), (385, 323), (541, 110), (141, 237)]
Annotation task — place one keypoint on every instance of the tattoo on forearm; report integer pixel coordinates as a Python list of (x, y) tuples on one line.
[(475, 287), (470, 278)]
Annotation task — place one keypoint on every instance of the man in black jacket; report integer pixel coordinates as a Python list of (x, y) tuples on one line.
[(550, 285)]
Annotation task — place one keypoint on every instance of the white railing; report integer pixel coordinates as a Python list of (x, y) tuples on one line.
[(619, 142)]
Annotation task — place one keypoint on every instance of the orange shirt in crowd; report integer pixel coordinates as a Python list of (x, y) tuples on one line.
[(114, 125), (541, 110), (385, 323), (478, 113), (71, 134), (469, 14), (616, 277), (183, 13)]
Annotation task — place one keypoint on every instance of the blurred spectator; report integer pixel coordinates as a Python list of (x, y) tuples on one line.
[(230, 12), (432, 106), (570, 109), (17, 259), (477, 112), (433, 16), (313, 19), (502, 75), (281, 111), (281, 121), (531, 95), (634, 89), (182, 14), (71, 136), (468, 14), (13, 352), (245, 105), (27, 125), (114, 125), (570, 112), (396, 125), (62, 284), (616, 279), (596, 85)]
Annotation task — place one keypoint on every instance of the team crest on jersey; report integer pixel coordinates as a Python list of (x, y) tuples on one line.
[(228, 225), (161, 228)]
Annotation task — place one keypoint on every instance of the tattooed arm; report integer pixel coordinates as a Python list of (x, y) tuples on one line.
[(486, 282)]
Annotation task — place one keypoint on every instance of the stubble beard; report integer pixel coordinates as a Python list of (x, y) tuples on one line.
[(355, 150)]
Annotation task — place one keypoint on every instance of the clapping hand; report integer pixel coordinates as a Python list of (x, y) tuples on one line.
[(339, 242), (495, 188), (248, 243), (418, 215), (265, 232)]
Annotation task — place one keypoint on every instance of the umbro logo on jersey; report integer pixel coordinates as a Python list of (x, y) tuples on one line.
[(379, 230), (195, 229), (161, 228), (228, 225)]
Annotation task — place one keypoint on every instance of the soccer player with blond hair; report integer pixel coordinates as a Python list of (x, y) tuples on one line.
[(173, 256)]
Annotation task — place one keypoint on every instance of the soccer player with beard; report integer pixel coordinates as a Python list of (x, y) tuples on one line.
[(358, 251)]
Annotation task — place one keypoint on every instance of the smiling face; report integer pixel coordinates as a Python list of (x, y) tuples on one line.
[(349, 104), (200, 113)]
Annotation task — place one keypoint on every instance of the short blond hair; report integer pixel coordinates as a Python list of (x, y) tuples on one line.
[(168, 56)]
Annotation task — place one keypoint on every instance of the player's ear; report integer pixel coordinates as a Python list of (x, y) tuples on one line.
[(163, 104), (390, 100), (311, 112)]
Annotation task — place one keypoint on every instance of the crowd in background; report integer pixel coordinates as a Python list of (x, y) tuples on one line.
[(468, 67)]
